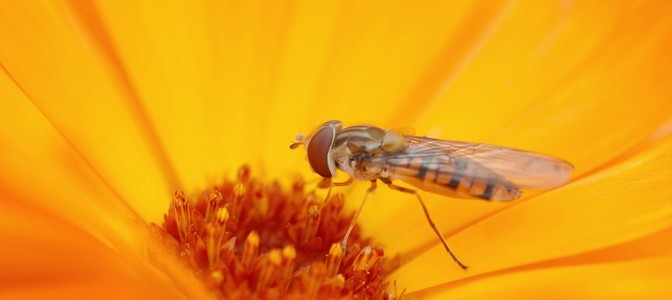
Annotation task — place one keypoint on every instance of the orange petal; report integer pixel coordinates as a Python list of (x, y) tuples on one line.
[(583, 278), (623, 203), (638, 279), (42, 169), (57, 67), (552, 90), (266, 70), (554, 85), (44, 255), (59, 219), (171, 54)]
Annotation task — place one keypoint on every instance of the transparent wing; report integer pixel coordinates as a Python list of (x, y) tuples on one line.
[(485, 162)]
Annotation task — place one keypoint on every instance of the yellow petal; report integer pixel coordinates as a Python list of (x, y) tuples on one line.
[(168, 52), (87, 100), (42, 169), (618, 205), (630, 265), (383, 59), (268, 70), (560, 88), (554, 85), (61, 222), (638, 279), (45, 255)]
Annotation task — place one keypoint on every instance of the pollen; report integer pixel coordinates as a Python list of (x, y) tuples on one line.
[(251, 240)]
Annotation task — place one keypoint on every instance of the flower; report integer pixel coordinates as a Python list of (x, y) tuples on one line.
[(109, 107)]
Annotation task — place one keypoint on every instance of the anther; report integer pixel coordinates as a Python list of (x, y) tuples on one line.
[(333, 261), (250, 250), (312, 223), (222, 217), (182, 214), (270, 267), (213, 204), (288, 263), (366, 258)]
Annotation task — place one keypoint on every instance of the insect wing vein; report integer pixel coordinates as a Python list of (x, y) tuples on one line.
[(524, 169)]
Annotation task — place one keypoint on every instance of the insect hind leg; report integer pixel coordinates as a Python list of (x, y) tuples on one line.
[(402, 189)]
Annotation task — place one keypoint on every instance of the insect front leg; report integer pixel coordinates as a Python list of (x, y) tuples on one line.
[(326, 183), (344, 244), (402, 189)]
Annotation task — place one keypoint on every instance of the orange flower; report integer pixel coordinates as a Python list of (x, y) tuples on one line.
[(108, 107)]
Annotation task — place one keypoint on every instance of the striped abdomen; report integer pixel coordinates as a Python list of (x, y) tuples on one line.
[(454, 176)]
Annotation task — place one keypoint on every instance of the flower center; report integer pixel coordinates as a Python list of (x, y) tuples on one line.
[(246, 239)]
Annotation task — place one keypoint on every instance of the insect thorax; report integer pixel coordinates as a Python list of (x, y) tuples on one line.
[(360, 151)]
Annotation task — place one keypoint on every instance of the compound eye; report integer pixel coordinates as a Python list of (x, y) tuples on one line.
[(318, 151)]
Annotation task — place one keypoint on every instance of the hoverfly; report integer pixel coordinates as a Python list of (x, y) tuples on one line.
[(450, 168)]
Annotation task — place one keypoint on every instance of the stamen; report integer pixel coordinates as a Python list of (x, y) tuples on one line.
[(182, 214), (316, 276), (333, 260), (288, 263), (290, 249), (312, 223), (239, 191), (215, 233), (284, 269), (270, 268), (250, 250), (366, 258), (213, 205), (222, 216), (190, 240), (332, 287)]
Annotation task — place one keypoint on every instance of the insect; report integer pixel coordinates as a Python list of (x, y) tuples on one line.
[(450, 168)]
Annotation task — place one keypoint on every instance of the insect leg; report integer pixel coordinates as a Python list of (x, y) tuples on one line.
[(344, 244), (333, 184), (431, 223), (327, 183)]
